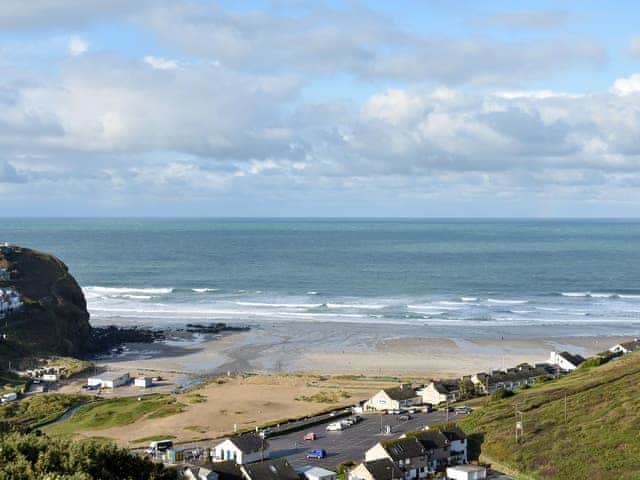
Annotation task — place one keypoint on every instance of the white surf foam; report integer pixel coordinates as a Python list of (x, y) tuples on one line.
[(507, 302), (205, 290)]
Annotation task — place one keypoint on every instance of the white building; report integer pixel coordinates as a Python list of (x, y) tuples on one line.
[(143, 382), (626, 347), (395, 398), (565, 361), (466, 472), (242, 449), (110, 380), (316, 473), (440, 392)]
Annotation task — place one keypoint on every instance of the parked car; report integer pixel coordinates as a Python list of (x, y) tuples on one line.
[(90, 387), (334, 427), (404, 417), (348, 421), (159, 446), (463, 409), (356, 418), (317, 453), (310, 436)]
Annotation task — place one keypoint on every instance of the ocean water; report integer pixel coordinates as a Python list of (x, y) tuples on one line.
[(519, 277)]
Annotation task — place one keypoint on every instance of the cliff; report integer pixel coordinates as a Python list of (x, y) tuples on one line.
[(53, 317)]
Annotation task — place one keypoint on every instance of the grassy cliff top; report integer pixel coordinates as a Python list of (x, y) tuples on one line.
[(599, 439)]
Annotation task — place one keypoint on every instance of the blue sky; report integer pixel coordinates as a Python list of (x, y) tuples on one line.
[(295, 108)]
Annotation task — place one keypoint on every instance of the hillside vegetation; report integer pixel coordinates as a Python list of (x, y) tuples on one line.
[(599, 439)]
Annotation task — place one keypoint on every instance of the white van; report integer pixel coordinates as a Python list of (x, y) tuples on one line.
[(159, 446), (334, 427)]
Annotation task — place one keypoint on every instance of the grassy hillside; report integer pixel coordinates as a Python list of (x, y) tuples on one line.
[(601, 435)]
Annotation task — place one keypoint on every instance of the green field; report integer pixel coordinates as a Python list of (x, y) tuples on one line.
[(38, 409), (116, 412), (598, 438)]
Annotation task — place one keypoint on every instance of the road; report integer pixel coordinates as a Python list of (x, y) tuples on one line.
[(351, 443)]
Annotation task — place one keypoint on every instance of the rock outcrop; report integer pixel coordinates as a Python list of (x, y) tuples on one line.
[(53, 317)]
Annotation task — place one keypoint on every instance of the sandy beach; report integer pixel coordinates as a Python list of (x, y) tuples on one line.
[(323, 349)]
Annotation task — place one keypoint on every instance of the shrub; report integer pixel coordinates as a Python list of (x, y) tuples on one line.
[(502, 394), (342, 467), (591, 362)]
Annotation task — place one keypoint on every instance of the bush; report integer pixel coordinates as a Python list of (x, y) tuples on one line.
[(343, 467), (592, 362), (502, 394)]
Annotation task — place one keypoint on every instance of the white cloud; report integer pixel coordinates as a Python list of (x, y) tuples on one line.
[(626, 86), (77, 45), (161, 63)]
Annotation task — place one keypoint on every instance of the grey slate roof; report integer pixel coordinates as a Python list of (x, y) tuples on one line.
[(445, 387), (453, 433), (401, 393), (249, 442), (575, 359), (383, 469), (404, 448), (278, 469), (431, 439), (631, 346), (228, 470)]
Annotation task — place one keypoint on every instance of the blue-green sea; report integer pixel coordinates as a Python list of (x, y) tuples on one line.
[(441, 276)]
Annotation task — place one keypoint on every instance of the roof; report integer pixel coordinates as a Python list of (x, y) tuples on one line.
[(404, 448), (431, 439), (631, 346), (315, 471), (249, 442), (278, 469), (467, 468), (383, 469), (521, 373), (445, 387), (111, 375), (453, 433), (573, 358), (403, 392), (228, 470)]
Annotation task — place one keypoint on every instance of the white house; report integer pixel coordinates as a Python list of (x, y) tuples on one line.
[(466, 472), (143, 382), (241, 449), (393, 398), (626, 347), (565, 361), (440, 392), (109, 380), (316, 473), (382, 469)]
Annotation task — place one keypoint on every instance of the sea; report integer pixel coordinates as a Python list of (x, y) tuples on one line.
[(442, 277)]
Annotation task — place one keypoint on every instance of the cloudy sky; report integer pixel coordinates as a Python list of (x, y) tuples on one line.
[(312, 108)]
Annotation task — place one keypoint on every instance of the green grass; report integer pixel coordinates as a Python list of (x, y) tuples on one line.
[(39, 409), (598, 440), (325, 397), (117, 412)]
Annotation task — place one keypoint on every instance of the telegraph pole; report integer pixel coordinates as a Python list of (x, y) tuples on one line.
[(565, 407), (519, 425)]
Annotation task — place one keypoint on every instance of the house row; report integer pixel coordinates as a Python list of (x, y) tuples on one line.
[(278, 469), (626, 347), (413, 456)]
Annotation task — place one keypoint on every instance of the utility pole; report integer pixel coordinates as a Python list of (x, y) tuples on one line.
[(447, 409), (519, 425), (565, 407)]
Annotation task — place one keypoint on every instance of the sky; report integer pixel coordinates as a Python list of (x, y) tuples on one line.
[(293, 108)]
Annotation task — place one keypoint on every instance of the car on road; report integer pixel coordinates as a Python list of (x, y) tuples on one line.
[(317, 453), (310, 436), (404, 417), (463, 409), (334, 427)]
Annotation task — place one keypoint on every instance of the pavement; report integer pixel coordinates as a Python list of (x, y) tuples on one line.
[(351, 443)]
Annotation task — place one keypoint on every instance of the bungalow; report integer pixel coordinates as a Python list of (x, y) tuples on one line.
[(626, 347), (407, 454), (242, 449), (565, 361), (395, 398), (440, 391), (278, 469), (382, 469)]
